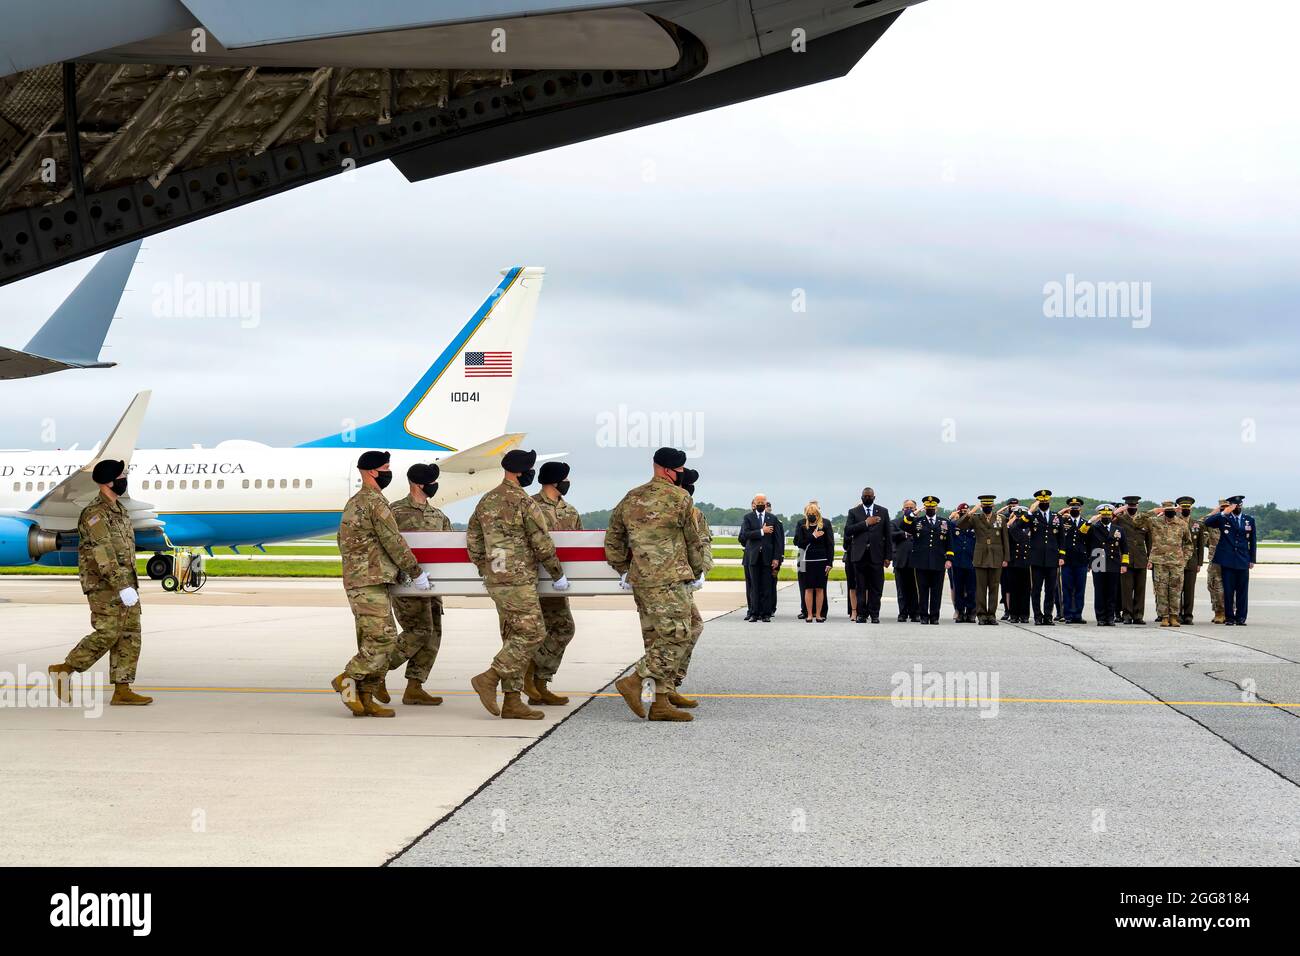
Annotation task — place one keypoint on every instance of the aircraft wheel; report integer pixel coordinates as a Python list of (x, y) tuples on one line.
[(169, 582), (159, 566)]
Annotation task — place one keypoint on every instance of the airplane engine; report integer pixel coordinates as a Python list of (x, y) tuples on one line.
[(23, 542)]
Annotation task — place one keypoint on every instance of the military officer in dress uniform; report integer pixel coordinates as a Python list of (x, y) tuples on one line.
[(1018, 573), (1074, 573), (106, 562), (931, 555), (1046, 556), (1005, 599), (1133, 586), (1108, 548), (1214, 577), (1193, 568), (1235, 555), (419, 618), (906, 584), (560, 516), (962, 573), (991, 550)]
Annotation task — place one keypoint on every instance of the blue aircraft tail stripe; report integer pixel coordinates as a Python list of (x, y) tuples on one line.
[(391, 431)]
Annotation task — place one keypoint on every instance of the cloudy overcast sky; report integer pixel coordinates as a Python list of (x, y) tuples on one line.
[(980, 152)]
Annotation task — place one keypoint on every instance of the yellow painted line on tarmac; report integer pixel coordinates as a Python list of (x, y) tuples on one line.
[(889, 697)]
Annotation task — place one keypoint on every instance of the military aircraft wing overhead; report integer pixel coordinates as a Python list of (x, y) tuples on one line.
[(73, 336), (185, 110)]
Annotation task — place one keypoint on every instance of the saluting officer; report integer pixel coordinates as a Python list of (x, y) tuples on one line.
[(374, 553), (991, 550), (106, 562), (931, 555), (1193, 567), (556, 615), (1214, 577), (1074, 573), (507, 540), (419, 618), (1235, 555), (962, 573), (1017, 576), (1108, 548), (1046, 556), (1133, 588)]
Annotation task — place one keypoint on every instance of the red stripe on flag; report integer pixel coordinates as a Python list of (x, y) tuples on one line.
[(461, 555)]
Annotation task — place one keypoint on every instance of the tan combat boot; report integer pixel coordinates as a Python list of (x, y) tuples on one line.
[(1219, 618), (485, 685), (662, 710), (514, 708), (61, 680), (540, 695), (124, 696), (1164, 622), (346, 688), (677, 700), (1174, 622), (380, 690), (530, 685), (630, 688), (415, 694), (372, 708)]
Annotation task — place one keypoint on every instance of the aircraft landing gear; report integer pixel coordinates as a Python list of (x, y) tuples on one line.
[(159, 566)]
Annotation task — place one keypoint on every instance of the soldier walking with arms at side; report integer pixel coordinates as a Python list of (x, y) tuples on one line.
[(374, 555), (556, 616), (106, 558), (419, 618), (654, 544), (507, 539)]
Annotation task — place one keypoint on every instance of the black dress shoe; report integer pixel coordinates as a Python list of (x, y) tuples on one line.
[(1048, 622), (914, 618), (859, 620), (875, 619), (766, 619), (1241, 623), (902, 618)]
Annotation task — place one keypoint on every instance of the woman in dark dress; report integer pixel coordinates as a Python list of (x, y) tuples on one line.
[(815, 539)]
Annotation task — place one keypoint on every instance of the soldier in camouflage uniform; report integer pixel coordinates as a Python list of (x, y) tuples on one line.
[(374, 554), (687, 482), (1171, 548), (106, 557), (556, 616), (1214, 578), (654, 544), (1133, 586), (1193, 567), (419, 618), (507, 539)]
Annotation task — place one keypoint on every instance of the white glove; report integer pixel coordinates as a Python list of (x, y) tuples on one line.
[(561, 583), (422, 582), (130, 597), (696, 585), (622, 582)]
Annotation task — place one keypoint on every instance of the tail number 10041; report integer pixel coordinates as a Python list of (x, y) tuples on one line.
[(464, 396)]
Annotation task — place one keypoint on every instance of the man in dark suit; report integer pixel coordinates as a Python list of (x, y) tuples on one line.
[(1046, 556), (758, 536), (779, 548), (869, 545)]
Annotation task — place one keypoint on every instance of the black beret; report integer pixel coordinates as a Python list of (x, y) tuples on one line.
[(107, 471), (552, 472), (689, 477), (518, 461), (420, 474), (670, 457), (373, 459)]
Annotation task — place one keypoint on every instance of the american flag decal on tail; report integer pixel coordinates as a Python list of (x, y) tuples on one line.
[(488, 365)]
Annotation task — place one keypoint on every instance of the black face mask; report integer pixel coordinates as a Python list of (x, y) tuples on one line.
[(119, 486), (987, 509), (1075, 512), (929, 512), (527, 477), (1187, 512), (1132, 509), (1043, 506), (868, 500), (383, 479), (430, 489), (1105, 520), (1169, 512), (562, 487)]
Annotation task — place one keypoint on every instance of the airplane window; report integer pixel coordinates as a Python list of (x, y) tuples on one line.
[(284, 483), (308, 482), (183, 484), (295, 482), (258, 483), (245, 482), (18, 486), (170, 484), (221, 483), (29, 486), (207, 483)]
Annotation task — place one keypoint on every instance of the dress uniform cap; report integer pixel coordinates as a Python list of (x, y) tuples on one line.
[(1075, 502), (1185, 500), (1236, 499), (929, 500), (1132, 499), (1043, 495), (107, 471)]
